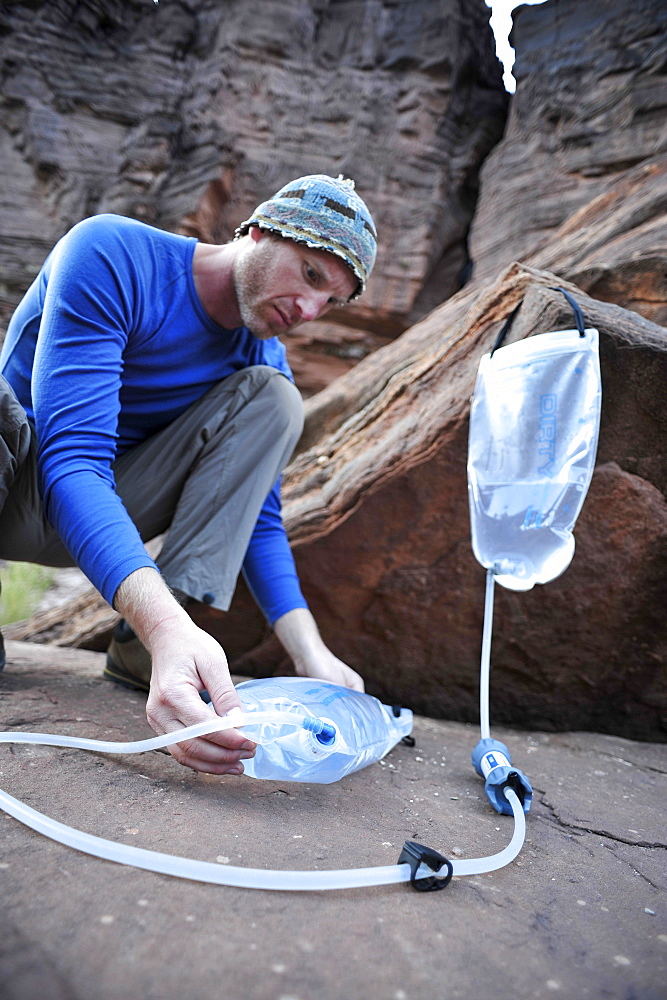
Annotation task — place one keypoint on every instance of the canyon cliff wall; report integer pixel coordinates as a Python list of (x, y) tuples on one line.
[(590, 111), (187, 114)]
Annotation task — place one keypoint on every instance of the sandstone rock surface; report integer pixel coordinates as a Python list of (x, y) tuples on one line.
[(580, 913)]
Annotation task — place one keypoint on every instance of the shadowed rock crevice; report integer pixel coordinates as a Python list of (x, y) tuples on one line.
[(589, 107), (583, 828)]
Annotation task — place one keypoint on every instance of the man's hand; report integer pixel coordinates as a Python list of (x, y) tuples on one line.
[(185, 661), (299, 635)]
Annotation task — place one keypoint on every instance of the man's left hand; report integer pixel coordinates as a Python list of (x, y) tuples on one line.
[(299, 634)]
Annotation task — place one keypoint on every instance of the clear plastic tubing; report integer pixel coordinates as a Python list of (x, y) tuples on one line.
[(206, 871), (216, 724), (485, 668)]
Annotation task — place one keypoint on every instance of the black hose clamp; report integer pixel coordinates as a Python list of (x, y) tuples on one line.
[(415, 854)]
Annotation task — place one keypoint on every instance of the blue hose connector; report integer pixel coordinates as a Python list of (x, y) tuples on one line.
[(491, 759), (324, 732)]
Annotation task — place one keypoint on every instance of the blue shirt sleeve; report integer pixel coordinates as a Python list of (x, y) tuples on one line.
[(86, 318), (269, 567), (110, 344)]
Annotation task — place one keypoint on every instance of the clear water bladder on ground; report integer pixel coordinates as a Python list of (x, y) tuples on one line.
[(363, 730)]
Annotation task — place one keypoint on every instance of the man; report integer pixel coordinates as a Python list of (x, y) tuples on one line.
[(146, 389)]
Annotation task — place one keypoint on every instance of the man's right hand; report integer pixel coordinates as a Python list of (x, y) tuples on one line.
[(185, 661)]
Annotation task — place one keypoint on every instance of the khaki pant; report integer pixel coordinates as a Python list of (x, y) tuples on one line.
[(203, 478)]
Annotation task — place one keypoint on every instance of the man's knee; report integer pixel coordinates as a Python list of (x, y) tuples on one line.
[(287, 403)]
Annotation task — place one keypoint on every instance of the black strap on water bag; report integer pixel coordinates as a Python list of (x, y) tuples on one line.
[(576, 309), (505, 327)]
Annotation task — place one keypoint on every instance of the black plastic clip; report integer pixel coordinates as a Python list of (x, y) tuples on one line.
[(408, 740), (415, 854), (514, 781)]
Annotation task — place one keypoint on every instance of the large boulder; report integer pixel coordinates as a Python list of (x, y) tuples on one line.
[(377, 510)]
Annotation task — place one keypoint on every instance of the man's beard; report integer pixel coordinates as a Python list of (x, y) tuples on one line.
[(250, 284)]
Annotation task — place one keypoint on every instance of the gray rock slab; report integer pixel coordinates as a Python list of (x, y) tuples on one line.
[(580, 914)]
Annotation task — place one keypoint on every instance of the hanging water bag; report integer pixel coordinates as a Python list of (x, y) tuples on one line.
[(534, 425)]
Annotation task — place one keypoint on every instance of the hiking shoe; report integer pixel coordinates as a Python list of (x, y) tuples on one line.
[(128, 662)]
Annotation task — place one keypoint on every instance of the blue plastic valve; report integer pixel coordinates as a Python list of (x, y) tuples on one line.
[(323, 731), (491, 759)]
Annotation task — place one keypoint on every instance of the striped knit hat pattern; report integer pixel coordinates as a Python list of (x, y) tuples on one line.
[(325, 213)]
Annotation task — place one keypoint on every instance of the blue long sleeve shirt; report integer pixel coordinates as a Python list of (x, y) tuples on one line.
[(109, 345)]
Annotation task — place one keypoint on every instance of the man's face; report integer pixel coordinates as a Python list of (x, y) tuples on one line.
[(280, 284)]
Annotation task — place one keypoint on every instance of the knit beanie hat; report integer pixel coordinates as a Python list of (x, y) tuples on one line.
[(325, 213)]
